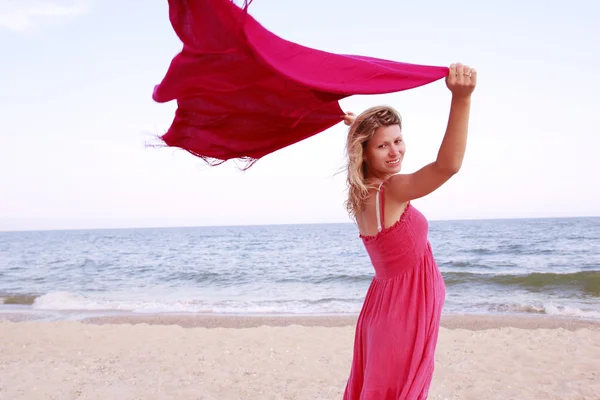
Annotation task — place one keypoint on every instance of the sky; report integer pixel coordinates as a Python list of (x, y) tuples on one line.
[(76, 79)]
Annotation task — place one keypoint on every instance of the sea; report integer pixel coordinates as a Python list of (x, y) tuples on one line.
[(493, 267)]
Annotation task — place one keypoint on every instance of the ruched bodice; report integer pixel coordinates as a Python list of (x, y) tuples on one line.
[(393, 250)]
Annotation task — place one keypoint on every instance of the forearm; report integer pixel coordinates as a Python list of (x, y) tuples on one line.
[(452, 149)]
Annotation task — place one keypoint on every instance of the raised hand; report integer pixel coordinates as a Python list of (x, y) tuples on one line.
[(349, 118), (461, 80)]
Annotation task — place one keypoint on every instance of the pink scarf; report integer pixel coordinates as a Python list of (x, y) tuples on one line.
[(243, 92)]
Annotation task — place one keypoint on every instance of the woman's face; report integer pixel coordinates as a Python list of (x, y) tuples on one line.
[(384, 151)]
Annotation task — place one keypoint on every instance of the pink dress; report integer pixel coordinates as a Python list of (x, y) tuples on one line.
[(397, 328)]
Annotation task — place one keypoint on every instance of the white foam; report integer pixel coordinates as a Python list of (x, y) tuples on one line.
[(568, 311), (66, 301)]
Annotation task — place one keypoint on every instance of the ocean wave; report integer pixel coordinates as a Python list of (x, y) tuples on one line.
[(329, 278), (480, 251), (587, 282), (568, 311), (17, 299), (82, 303), (66, 301), (545, 309), (194, 276), (344, 278), (513, 249)]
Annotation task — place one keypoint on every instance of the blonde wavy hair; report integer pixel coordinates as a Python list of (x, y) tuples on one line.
[(361, 131)]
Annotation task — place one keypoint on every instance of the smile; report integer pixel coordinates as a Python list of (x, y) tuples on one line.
[(393, 162)]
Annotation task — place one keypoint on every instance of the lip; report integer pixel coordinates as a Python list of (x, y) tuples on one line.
[(393, 162)]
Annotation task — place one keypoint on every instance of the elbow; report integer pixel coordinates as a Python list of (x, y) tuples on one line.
[(453, 169), (449, 169)]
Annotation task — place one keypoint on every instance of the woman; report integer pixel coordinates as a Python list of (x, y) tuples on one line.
[(397, 329)]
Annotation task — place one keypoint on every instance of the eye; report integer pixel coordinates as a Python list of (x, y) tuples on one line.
[(381, 146), (398, 141)]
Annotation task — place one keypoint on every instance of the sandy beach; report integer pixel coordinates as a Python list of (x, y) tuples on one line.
[(192, 357)]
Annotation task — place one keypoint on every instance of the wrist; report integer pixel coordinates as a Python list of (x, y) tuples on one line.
[(461, 99)]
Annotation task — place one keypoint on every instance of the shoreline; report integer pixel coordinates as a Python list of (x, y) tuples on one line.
[(472, 322), (450, 321)]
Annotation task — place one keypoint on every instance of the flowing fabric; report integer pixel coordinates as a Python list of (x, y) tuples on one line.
[(243, 92), (397, 328)]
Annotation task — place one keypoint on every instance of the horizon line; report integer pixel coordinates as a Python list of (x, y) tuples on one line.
[(250, 225)]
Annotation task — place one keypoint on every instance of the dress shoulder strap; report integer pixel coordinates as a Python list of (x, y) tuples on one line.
[(379, 206)]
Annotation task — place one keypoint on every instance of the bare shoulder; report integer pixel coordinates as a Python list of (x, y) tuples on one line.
[(367, 219), (392, 211)]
